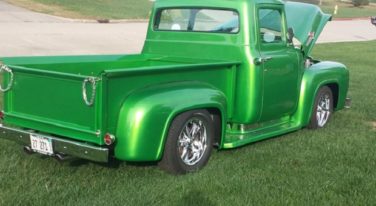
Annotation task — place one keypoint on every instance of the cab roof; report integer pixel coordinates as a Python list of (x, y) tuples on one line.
[(214, 3)]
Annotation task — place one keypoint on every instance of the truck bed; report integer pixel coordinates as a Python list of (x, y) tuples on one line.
[(47, 93)]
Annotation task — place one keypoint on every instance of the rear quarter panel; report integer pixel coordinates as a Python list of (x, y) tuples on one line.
[(142, 103), (146, 115)]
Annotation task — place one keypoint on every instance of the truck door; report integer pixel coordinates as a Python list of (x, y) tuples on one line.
[(279, 62)]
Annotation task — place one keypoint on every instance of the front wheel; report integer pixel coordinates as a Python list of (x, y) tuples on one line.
[(323, 108), (189, 142)]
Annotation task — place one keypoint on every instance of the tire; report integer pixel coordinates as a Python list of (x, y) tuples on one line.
[(323, 108), (188, 150)]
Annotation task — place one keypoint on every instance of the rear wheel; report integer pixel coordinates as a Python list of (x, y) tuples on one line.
[(189, 142), (323, 108)]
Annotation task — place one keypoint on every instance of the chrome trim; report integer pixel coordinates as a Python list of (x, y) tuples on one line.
[(323, 110), (348, 103), (5, 68), (112, 137), (261, 60), (93, 81), (192, 141), (68, 147)]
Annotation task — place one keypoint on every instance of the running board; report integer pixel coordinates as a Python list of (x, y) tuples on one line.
[(245, 134)]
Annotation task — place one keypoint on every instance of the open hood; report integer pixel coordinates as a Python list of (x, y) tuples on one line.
[(308, 21)]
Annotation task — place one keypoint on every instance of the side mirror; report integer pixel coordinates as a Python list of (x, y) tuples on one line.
[(290, 35)]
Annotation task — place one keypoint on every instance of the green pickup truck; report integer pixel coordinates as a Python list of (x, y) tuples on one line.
[(212, 73)]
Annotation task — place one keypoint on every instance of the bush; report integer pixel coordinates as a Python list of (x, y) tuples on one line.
[(360, 2)]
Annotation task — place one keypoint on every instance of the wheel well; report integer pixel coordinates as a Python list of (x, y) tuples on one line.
[(335, 91), (217, 119)]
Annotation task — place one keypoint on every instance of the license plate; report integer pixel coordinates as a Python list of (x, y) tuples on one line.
[(41, 144)]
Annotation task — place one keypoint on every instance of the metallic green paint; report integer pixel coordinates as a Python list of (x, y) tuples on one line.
[(138, 96), (146, 115), (280, 75), (241, 134), (318, 75)]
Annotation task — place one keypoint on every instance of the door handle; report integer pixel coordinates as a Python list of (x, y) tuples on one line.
[(261, 60)]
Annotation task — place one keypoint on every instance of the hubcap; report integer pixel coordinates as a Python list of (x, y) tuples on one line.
[(192, 142), (323, 110)]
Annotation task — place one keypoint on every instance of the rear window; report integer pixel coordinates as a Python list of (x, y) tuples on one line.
[(197, 20)]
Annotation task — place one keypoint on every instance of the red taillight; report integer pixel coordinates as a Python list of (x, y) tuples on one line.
[(1, 115), (109, 139)]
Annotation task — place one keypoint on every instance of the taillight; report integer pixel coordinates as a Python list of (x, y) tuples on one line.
[(109, 139), (1, 115)]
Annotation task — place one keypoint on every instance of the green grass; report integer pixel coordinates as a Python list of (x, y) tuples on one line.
[(139, 9), (101, 9), (347, 10), (331, 166)]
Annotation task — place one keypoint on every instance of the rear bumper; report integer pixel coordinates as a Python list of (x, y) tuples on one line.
[(68, 147)]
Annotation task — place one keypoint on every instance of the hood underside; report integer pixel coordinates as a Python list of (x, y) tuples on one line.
[(308, 21)]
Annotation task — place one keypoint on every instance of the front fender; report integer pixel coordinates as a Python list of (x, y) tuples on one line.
[(318, 75), (145, 116)]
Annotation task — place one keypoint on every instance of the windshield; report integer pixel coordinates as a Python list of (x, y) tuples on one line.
[(197, 20)]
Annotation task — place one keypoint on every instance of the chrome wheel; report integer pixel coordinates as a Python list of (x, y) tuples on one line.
[(323, 110), (189, 142), (192, 141)]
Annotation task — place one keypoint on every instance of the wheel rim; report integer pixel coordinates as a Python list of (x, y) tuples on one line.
[(323, 110), (192, 142)]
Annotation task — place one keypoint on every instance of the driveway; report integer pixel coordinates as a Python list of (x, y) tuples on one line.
[(26, 33), (23, 32), (350, 30)]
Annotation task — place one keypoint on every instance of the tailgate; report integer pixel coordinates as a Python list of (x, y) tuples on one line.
[(53, 102)]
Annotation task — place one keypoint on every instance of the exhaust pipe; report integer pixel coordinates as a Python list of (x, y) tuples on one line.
[(28, 150), (60, 157)]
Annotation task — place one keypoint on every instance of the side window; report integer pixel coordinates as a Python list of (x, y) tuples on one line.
[(270, 23)]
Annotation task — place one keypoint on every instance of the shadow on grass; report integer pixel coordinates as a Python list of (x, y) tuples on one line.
[(195, 198), (112, 164)]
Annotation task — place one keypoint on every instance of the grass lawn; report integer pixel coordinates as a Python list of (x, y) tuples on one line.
[(347, 10), (331, 166), (139, 9), (88, 9)]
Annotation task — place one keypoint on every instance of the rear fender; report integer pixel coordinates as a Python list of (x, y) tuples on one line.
[(318, 75), (145, 116)]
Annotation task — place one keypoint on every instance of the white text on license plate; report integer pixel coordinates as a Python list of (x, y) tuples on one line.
[(41, 144)]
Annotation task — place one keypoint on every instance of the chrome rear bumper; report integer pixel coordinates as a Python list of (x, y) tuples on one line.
[(67, 147)]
